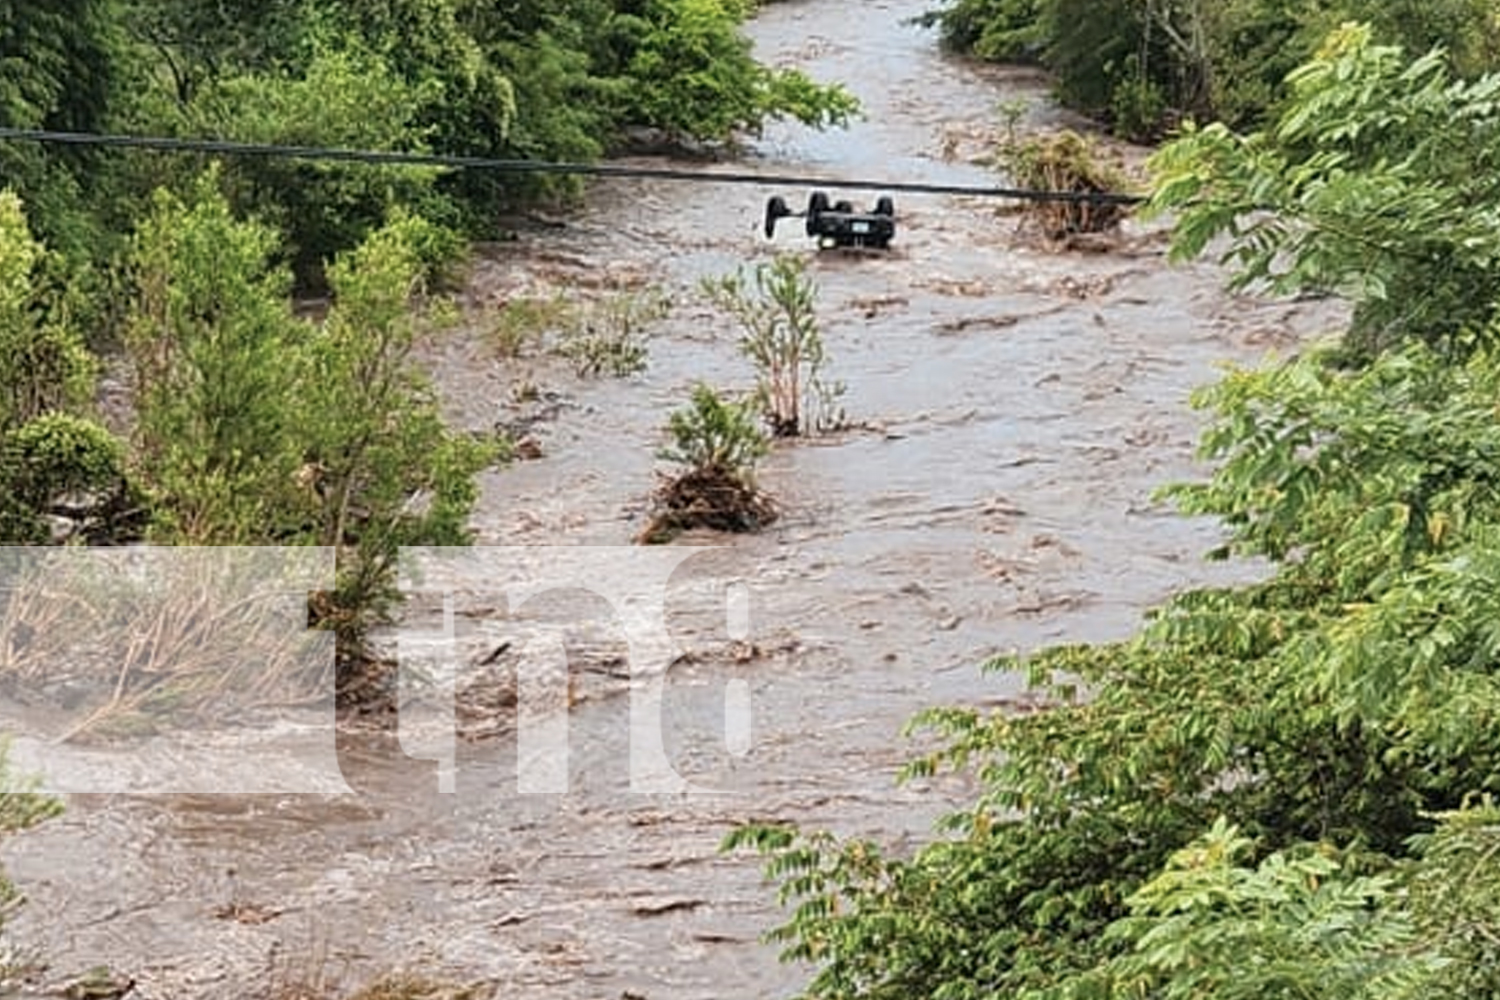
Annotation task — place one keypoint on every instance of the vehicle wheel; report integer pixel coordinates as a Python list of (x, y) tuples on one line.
[(885, 206), (816, 205), (844, 207), (775, 210)]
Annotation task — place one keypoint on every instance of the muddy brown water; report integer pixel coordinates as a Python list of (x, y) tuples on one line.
[(1017, 409)]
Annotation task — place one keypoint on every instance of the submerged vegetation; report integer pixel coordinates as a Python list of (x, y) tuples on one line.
[(776, 310), (1282, 789), (603, 334), (715, 445)]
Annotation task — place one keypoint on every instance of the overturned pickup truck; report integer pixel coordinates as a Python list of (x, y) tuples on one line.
[(837, 224)]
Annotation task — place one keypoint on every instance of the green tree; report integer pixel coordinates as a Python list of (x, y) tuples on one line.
[(256, 427), (398, 75), (387, 470), (692, 75), (351, 99), (1377, 180), (998, 30), (1143, 65), (1340, 702), (59, 69), (190, 43), (218, 361), (44, 365), (1312, 922)]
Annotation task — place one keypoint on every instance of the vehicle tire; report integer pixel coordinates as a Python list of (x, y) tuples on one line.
[(816, 205), (775, 210), (885, 206)]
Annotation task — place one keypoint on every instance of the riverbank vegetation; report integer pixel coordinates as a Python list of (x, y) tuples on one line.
[(560, 79), (1145, 65), (245, 422), (1282, 789)]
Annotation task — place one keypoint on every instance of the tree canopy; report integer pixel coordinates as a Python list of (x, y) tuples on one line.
[(557, 79)]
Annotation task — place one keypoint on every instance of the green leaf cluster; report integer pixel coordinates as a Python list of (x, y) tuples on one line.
[(1377, 181), (48, 447), (715, 437)]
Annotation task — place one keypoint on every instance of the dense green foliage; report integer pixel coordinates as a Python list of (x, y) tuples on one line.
[(255, 426), (1378, 180), (1280, 789), (251, 426), (1145, 64), (544, 80), (47, 448)]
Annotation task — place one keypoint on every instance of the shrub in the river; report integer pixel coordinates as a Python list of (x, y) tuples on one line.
[(716, 444), (1064, 161), (776, 308), (46, 451), (607, 336)]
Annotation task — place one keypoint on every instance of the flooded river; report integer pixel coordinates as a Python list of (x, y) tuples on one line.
[(1014, 410)]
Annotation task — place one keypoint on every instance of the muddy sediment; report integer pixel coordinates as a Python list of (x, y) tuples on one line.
[(1013, 409)]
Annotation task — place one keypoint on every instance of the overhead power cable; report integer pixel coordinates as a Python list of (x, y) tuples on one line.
[(222, 147)]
